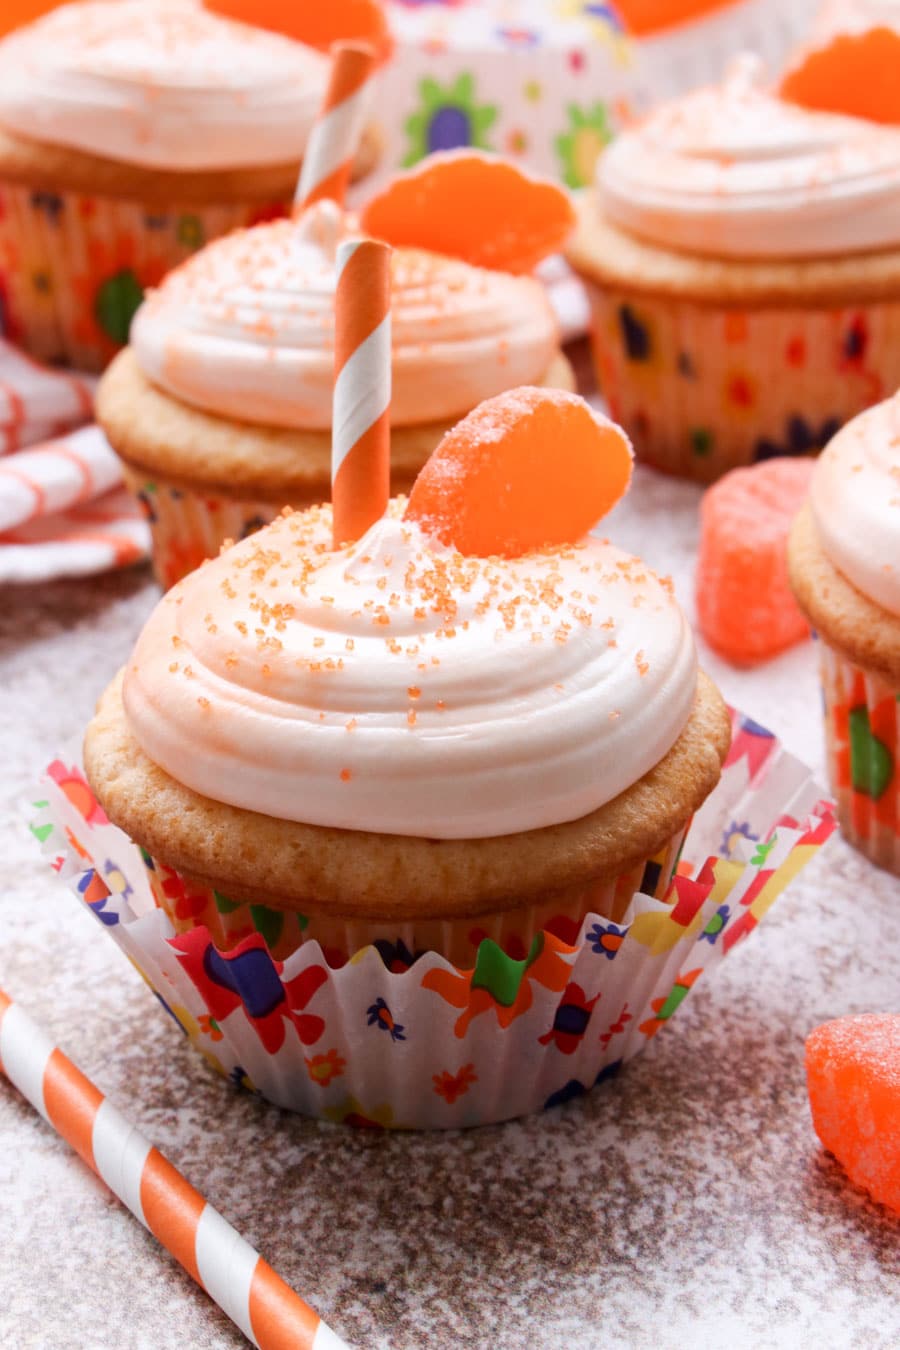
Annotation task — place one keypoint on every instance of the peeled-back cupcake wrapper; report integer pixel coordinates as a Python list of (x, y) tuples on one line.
[(862, 736), (190, 905), (701, 389), (186, 526), (436, 1045), (74, 267)]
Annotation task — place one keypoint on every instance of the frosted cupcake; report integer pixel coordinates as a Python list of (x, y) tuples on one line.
[(221, 407), (743, 256), (130, 134), (395, 741), (845, 570)]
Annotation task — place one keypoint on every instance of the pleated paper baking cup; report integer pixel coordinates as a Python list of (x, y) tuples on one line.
[(438, 1044), (187, 527), (230, 922), (862, 738), (74, 267), (702, 389)]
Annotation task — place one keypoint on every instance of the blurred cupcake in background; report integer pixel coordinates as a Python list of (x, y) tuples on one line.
[(221, 406), (743, 256), (131, 133), (844, 561)]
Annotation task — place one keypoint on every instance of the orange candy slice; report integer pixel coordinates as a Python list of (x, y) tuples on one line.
[(528, 469), (745, 607), (472, 206), (853, 1079), (318, 23), (642, 17), (16, 13), (856, 74)]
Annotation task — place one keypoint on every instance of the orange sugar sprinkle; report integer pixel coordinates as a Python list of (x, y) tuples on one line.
[(204, 702), (267, 670), (612, 643), (176, 640), (241, 627), (560, 688), (383, 617), (318, 642), (440, 705), (351, 725), (346, 775), (414, 691), (642, 664), (411, 717), (421, 665), (435, 660), (230, 661), (173, 667), (349, 644), (537, 637)]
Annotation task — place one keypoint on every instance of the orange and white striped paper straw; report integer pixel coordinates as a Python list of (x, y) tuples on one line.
[(361, 415), (213, 1253), (335, 134)]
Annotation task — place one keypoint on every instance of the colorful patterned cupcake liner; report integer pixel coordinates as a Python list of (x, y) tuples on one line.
[(74, 267), (190, 905), (702, 389), (862, 736), (380, 1043), (187, 527)]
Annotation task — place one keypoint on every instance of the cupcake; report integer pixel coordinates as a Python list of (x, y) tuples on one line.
[(844, 564), (743, 258), (398, 742), (221, 407), (130, 134)]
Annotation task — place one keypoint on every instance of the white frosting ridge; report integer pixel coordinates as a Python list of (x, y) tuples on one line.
[(855, 499), (735, 171), (160, 83), (245, 328), (395, 686)]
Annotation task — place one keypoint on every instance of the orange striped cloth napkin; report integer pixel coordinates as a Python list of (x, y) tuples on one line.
[(63, 511), (37, 402)]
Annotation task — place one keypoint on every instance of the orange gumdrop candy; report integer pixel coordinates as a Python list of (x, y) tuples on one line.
[(853, 1079), (317, 24), (745, 607), (528, 469), (472, 206), (856, 74)]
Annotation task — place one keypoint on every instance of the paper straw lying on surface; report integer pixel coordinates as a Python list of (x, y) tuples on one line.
[(257, 1300), (361, 421), (335, 134)]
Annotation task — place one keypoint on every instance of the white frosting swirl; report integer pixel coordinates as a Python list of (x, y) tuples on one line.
[(245, 328), (160, 83), (737, 172), (395, 686), (855, 499)]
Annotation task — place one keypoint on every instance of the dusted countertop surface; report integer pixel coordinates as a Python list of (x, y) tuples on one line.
[(685, 1203)]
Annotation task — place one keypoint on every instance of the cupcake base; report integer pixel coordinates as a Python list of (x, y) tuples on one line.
[(711, 364), (702, 389), (382, 1043), (862, 736)]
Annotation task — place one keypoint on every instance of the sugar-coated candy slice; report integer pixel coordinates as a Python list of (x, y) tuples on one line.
[(527, 469), (16, 13), (318, 23), (643, 17), (856, 74), (745, 607), (472, 206), (853, 1078)]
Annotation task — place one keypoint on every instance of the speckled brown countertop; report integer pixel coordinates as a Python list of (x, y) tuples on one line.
[(684, 1204)]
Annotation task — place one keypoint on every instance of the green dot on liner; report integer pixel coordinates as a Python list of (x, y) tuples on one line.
[(116, 302), (701, 440), (871, 762)]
